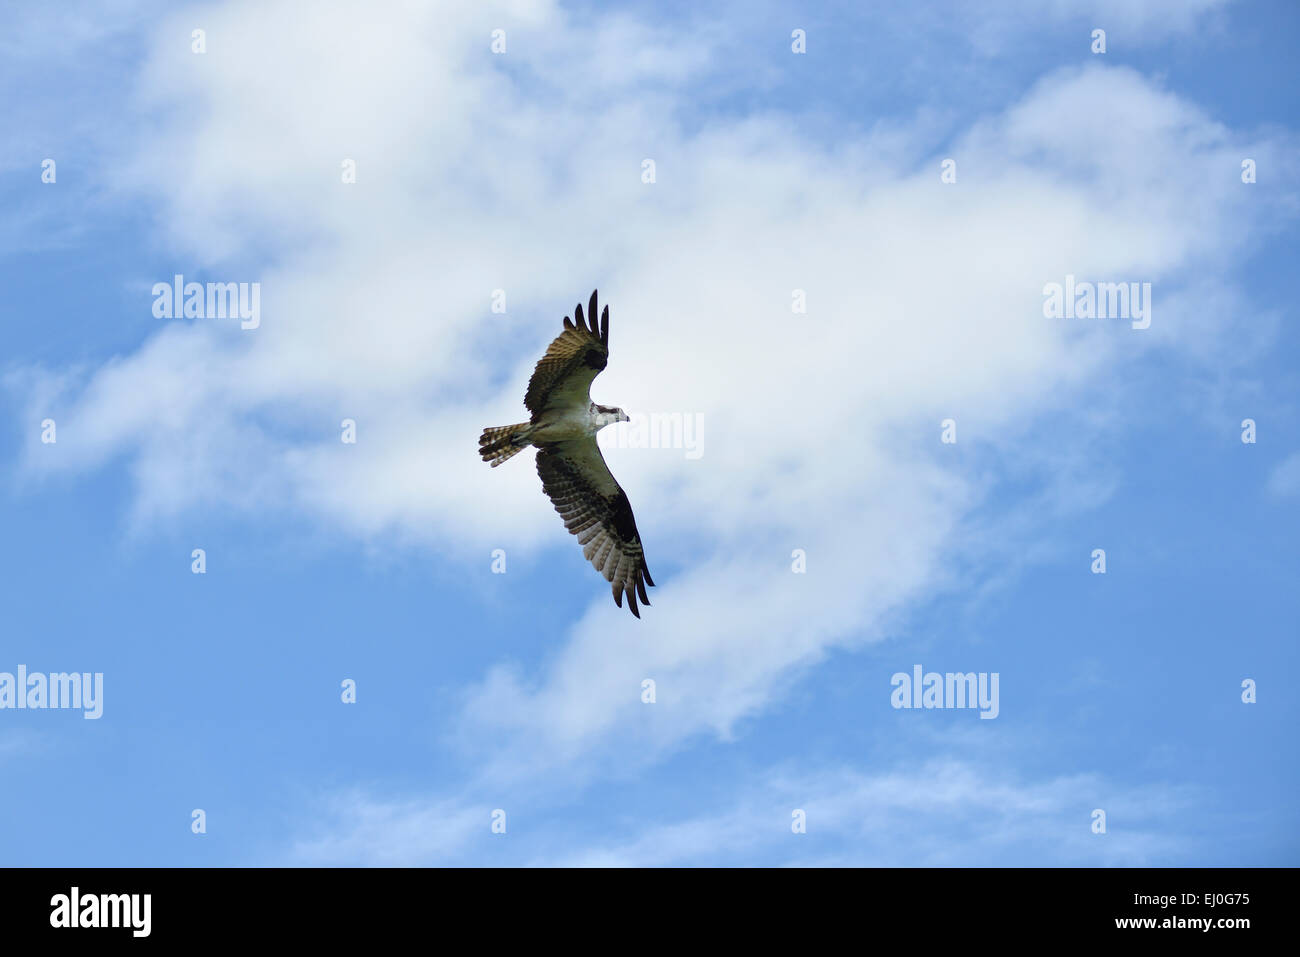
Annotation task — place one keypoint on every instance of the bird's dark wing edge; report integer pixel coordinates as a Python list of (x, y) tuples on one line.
[(595, 508), (573, 359)]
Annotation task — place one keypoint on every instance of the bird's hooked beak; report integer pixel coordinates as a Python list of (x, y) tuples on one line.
[(623, 416)]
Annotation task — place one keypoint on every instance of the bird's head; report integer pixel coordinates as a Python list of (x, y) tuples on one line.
[(608, 415)]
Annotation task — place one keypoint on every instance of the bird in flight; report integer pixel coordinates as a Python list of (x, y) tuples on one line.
[(574, 474)]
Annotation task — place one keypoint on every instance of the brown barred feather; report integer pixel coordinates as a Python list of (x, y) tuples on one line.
[(572, 360), (579, 484), (498, 443)]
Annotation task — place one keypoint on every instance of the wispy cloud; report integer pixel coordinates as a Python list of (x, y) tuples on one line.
[(1284, 479), (946, 811), (355, 828)]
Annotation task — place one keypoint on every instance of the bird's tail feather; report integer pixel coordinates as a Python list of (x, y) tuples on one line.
[(498, 443)]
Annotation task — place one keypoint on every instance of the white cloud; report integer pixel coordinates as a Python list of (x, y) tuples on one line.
[(357, 829), (945, 811), (13, 743), (1145, 20), (1284, 480), (948, 812)]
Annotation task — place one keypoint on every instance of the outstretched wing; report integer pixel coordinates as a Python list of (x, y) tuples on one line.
[(563, 376), (595, 508)]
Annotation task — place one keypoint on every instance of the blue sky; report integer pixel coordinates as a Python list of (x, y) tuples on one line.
[(821, 432)]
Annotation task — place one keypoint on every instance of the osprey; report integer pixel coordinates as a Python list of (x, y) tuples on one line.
[(574, 474)]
